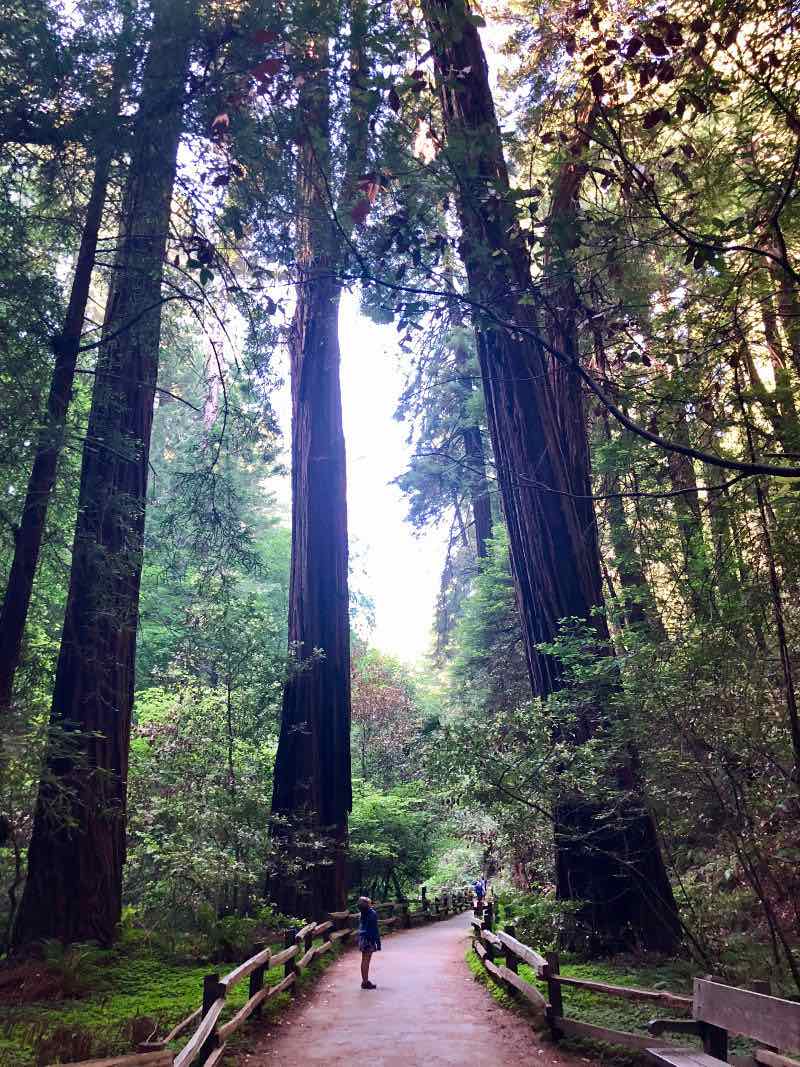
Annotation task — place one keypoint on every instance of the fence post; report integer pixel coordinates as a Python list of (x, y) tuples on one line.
[(489, 915), (511, 959), (714, 1038), (715, 1041), (257, 977), (290, 967), (406, 916), (424, 895), (556, 1010), (491, 952), (763, 985), (212, 991)]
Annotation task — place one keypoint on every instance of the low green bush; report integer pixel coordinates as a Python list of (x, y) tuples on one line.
[(541, 921)]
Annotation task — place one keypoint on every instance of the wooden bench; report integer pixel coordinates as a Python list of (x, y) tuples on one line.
[(719, 1010)]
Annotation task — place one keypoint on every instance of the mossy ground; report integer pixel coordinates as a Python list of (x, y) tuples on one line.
[(119, 986)]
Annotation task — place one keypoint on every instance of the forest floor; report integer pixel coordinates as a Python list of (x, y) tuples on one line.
[(92, 1002), (427, 1010)]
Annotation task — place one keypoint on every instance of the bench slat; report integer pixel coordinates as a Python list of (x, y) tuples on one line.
[(769, 1019), (683, 1057), (773, 1059)]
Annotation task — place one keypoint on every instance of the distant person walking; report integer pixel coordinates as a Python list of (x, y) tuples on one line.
[(480, 890), (369, 938)]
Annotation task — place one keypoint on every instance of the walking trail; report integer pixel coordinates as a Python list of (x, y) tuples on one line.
[(428, 1011)]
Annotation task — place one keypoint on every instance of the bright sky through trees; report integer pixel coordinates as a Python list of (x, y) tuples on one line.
[(394, 565)]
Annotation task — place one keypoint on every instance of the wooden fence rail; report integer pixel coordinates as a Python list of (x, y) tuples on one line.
[(714, 1009), (206, 1045)]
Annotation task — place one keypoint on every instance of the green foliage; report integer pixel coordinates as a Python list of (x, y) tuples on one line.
[(75, 965), (391, 833), (113, 989), (194, 742), (481, 975), (457, 862), (542, 921)]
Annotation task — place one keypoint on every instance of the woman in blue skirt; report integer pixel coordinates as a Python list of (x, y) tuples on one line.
[(369, 938)]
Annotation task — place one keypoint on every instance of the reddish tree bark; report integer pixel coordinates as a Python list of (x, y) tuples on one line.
[(312, 792), (73, 890), (28, 536), (608, 857), (312, 771)]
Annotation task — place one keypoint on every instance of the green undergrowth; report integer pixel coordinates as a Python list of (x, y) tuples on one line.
[(482, 976), (614, 1013), (122, 988)]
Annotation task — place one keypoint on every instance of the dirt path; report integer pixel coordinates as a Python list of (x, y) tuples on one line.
[(427, 1011)]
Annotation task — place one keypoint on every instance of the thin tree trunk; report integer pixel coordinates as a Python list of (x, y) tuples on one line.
[(784, 395), (639, 604), (790, 691), (74, 885), (474, 455), (462, 529), (611, 859), (478, 488), (28, 536), (785, 292), (778, 403)]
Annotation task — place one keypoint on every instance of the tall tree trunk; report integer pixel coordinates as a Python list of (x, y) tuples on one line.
[(474, 455), (779, 615), (772, 402), (789, 422), (312, 792), (785, 290), (74, 885), (312, 787), (639, 604), (610, 858), (562, 304), (689, 516), (28, 536), (478, 488)]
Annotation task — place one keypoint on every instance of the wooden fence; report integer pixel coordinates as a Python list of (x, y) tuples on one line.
[(207, 1042), (734, 1008)]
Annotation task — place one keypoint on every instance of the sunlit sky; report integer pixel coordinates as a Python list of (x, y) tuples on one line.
[(395, 566)]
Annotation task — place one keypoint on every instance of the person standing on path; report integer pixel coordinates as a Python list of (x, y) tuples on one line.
[(369, 939)]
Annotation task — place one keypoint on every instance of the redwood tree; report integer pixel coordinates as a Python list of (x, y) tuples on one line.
[(312, 793), (607, 855), (74, 885), (474, 455), (66, 346)]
